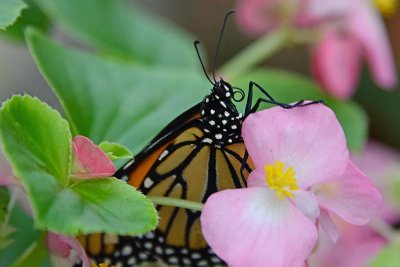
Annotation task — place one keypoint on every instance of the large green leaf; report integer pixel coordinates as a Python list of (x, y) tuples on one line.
[(10, 10), (106, 100), (37, 142), (289, 87), (124, 31)]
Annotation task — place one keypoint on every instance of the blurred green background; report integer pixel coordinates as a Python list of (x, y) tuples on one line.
[(18, 72)]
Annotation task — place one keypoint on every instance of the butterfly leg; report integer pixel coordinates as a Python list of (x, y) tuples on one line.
[(270, 100)]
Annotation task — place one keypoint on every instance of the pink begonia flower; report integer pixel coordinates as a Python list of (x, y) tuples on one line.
[(356, 247), (66, 250), (302, 172), (382, 164), (337, 57), (89, 160)]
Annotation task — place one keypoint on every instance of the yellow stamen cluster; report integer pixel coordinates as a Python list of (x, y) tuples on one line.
[(387, 7), (283, 182)]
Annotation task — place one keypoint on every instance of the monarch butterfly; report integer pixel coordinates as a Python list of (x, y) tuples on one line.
[(197, 154)]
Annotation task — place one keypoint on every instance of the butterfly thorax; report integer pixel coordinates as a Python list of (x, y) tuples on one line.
[(222, 122)]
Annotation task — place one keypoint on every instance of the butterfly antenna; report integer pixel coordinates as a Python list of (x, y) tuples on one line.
[(219, 41), (196, 43)]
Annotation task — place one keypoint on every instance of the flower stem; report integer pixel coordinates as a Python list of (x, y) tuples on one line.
[(257, 52), (176, 202)]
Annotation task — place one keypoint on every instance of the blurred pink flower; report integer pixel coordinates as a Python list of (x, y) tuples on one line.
[(338, 56), (355, 247), (89, 160), (344, 42), (358, 245), (302, 172), (382, 164), (66, 250)]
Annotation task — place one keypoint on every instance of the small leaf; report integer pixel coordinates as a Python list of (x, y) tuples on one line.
[(37, 142), (388, 257), (10, 10), (115, 151)]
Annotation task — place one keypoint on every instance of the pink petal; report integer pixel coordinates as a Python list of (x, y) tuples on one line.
[(310, 139), (312, 12), (6, 174), (304, 200), (367, 27), (61, 245), (307, 202), (381, 164), (57, 246), (336, 63), (356, 247), (352, 196), (328, 226), (90, 161), (252, 227), (257, 17)]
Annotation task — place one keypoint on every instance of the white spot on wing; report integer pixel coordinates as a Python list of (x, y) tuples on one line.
[(148, 182), (127, 250), (218, 136), (128, 164), (163, 154), (207, 140)]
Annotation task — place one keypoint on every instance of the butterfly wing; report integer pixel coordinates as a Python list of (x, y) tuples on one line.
[(181, 162)]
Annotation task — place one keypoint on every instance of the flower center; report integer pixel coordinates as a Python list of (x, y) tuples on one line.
[(283, 182), (387, 7)]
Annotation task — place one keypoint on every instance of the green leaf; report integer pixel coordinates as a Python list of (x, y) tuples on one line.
[(4, 198), (35, 139), (31, 16), (115, 151), (388, 257), (124, 31), (105, 100), (354, 122), (21, 239), (10, 10), (37, 142), (288, 87), (34, 255)]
